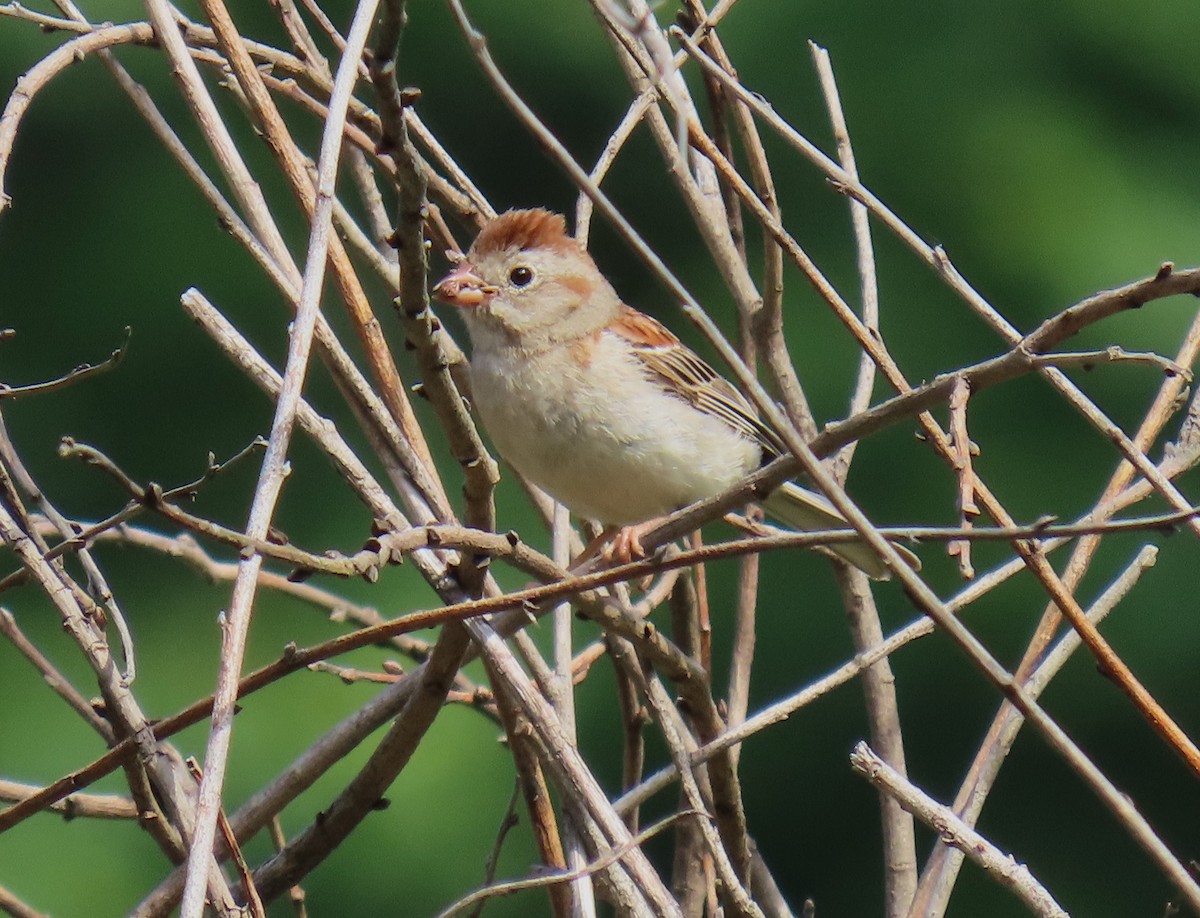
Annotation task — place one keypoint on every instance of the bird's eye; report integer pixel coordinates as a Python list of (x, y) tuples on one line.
[(521, 276)]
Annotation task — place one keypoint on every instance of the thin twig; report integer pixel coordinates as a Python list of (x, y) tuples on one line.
[(607, 859), (1163, 283), (865, 251), (81, 373), (953, 831), (964, 468), (53, 677), (295, 893), (254, 903), (274, 469), (86, 806), (735, 894), (883, 712), (938, 877), (507, 823)]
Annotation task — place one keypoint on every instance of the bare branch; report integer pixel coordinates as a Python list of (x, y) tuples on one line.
[(81, 373), (953, 831), (90, 806), (274, 463)]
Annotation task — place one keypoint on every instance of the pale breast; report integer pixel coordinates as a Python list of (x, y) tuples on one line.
[(592, 429)]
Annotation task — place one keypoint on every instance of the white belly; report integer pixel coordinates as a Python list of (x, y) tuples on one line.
[(617, 460)]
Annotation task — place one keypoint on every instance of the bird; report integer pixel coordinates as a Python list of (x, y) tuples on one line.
[(602, 406)]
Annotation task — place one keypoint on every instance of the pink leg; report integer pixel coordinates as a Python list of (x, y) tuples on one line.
[(626, 545)]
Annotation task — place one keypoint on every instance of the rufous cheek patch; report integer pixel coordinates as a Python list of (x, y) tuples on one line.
[(580, 286)]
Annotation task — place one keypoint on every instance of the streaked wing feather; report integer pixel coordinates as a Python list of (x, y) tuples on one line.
[(691, 379)]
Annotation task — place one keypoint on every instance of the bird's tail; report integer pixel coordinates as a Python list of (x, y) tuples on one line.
[(806, 511)]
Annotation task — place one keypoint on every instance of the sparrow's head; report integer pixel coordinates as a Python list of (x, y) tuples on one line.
[(526, 282)]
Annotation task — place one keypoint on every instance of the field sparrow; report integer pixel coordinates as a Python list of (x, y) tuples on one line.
[(600, 405)]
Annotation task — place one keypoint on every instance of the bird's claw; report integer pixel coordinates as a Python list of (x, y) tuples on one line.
[(626, 545)]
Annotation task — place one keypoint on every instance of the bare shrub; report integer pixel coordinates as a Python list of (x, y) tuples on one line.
[(381, 197)]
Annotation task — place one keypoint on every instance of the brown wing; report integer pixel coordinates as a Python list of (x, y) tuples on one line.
[(690, 378)]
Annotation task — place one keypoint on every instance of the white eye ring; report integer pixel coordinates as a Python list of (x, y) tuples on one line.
[(521, 276)]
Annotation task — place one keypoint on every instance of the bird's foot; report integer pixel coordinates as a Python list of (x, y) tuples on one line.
[(615, 545), (626, 543)]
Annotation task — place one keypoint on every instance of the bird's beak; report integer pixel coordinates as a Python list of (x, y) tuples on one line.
[(462, 288)]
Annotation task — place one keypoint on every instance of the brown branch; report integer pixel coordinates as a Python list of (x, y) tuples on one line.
[(1132, 296), (53, 677), (16, 908), (322, 247), (421, 326), (308, 849), (298, 776), (938, 877), (965, 470), (634, 718), (531, 783), (601, 863), (89, 806), (81, 373), (953, 831), (296, 893)]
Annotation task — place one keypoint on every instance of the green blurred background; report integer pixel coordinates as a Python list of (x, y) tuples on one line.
[(1051, 148)]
